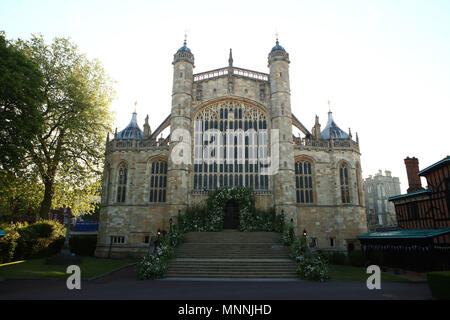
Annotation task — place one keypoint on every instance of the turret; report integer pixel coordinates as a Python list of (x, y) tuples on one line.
[(280, 106), (183, 79)]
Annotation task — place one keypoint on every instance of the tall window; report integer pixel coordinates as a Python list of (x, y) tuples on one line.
[(230, 146), (304, 182), (122, 183), (158, 181), (108, 184), (345, 184)]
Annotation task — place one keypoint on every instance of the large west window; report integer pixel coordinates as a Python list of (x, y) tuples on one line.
[(231, 146)]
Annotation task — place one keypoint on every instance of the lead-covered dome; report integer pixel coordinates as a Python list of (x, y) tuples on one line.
[(132, 131), (332, 128)]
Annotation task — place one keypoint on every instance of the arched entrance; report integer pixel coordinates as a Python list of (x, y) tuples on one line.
[(231, 215)]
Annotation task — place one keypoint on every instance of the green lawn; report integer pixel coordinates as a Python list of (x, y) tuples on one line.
[(36, 268), (350, 273)]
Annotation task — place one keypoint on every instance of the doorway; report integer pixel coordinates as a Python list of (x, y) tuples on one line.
[(231, 215)]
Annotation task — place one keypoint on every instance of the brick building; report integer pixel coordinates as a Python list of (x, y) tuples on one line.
[(422, 239)]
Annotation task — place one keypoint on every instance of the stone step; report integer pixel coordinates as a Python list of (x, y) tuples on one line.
[(230, 275), (233, 237), (232, 254)]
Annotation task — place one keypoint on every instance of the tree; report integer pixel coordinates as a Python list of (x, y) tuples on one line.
[(67, 154), (21, 95)]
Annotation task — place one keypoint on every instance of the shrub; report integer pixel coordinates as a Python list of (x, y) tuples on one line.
[(298, 248), (39, 239), (338, 258), (288, 235), (154, 266), (439, 283), (176, 236), (356, 258), (151, 267), (324, 255), (312, 268), (83, 245), (8, 244)]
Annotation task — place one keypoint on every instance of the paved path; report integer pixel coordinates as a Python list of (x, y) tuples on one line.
[(122, 285)]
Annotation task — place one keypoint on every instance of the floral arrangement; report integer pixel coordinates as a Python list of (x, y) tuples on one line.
[(312, 268), (154, 266)]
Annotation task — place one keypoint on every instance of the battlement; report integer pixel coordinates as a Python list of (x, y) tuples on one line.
[(137, 145), (222, 72), (322, 144)]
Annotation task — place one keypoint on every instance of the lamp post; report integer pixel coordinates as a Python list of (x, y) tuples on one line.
[(304, 233)]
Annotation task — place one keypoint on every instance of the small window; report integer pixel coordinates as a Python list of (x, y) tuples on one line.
[(146, 239), (331, 242), (117, 239)]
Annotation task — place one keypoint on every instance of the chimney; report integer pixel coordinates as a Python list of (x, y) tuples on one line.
[(412, 170)]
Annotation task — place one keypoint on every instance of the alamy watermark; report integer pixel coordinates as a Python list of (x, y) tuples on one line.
[(374, 281), (74, 280)]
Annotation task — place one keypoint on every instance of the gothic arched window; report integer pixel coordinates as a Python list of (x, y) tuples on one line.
[(344, 179), (158, 181), (304, 181), (122, 183), (231, 146)]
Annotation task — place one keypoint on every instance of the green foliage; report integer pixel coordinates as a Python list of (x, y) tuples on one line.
[(196, 218), (265, 220), (176, 236), (21, 94), (68, 152), (298, 248), (357, 258), (324, 255), (210, 217), (154, 266), (439, 283), (83, 245), (24, 241), (20, 196), (8, 243), (312, 268), (338, 258), (217, 200), (288, 235)]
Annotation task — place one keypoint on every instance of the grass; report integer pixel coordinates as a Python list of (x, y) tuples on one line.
[(37, 269), (350, 273)]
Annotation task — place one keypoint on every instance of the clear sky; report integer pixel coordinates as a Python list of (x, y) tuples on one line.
[(385, 65)]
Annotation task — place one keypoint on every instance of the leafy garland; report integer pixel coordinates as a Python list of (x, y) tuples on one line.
[(209, 217), (244, 198)]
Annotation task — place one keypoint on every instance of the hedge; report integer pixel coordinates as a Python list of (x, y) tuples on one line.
[(83, 245), (439, 283)]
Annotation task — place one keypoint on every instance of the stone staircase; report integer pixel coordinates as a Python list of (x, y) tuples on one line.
[(232, 254)]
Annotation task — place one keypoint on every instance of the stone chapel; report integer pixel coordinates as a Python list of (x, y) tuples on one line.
[(231, 127)]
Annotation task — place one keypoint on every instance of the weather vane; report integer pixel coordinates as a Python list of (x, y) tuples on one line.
[(135, 104)]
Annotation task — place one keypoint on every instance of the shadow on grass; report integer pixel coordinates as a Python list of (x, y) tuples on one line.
[(37, 269)]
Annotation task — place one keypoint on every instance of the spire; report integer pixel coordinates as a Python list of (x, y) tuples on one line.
[(230, 59), (147, 130)]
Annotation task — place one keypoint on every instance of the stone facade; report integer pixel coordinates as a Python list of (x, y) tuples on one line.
[(315, 179), (377, 190)]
